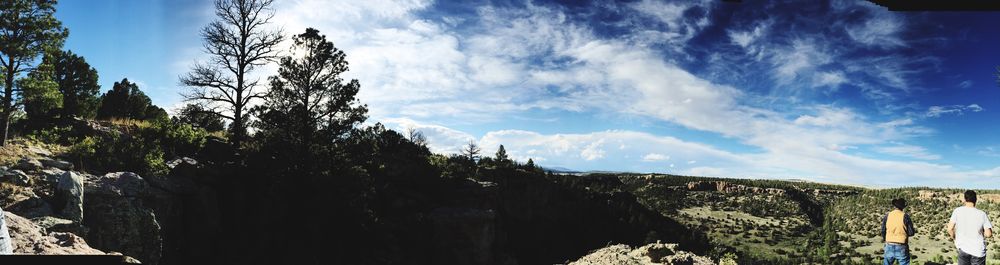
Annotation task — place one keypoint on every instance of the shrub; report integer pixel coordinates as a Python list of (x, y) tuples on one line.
[(54, 135), (82, 150), (136, 155), (178, 139)]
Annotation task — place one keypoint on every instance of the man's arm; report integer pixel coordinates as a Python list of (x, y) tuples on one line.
[(987, 226), (951, 230), (910, 231)]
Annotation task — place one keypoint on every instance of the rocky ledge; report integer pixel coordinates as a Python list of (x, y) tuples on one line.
[(652, 254)]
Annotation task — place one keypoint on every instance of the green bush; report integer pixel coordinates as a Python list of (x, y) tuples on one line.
[(54, 135), (82, 151), (178, 139), (134, 154)]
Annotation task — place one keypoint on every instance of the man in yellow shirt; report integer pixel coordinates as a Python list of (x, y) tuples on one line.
[(896, 230)]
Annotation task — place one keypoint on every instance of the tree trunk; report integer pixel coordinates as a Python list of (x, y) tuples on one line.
[(8, 99)]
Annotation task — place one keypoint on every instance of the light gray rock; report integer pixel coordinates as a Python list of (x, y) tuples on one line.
[(57, 164), (28, 164), (28, 238), (70, 190)]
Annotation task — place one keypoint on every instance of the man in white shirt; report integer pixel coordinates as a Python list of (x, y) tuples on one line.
[(5, 247), (970, 227)]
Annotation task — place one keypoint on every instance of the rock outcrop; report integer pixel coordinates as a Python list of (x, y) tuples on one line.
[(723, 186), (115, 213), (29, 238), (16, 177), (652, 254)]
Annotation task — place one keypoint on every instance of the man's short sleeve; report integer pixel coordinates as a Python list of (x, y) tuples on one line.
[(986, 221), (953, 218)]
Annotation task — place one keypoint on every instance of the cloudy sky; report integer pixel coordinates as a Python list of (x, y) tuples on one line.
[(840, 92)]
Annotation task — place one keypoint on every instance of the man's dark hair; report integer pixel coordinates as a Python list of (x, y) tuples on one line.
[(970, 196), (899, 203)]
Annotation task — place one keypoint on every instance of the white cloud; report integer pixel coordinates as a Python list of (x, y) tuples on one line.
[(427, 70), (910, 151), (593, 151), (882, 30), (440, 139), (938, 111), (800, 59), (654, 157), (829, 79), (965, 84)]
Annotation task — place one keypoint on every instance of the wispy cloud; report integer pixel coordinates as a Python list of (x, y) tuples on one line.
[(938, 111)]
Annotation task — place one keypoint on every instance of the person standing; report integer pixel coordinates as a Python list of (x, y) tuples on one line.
[(896, 230), (5, 245), (969, 227)]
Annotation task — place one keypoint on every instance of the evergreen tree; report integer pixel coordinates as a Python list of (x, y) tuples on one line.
[(308, 96), (27, 29), (40, 93), (77, 83), (126, 101), (501, 158)]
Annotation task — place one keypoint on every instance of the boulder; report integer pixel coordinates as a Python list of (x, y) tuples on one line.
[(124, 184), (69, 196), (25, 202), (118, 219), (57, 164), (29, 238), (16, 177), (28, 164), (52, 175)]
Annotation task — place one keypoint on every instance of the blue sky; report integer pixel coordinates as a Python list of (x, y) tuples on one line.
[(841, 91)]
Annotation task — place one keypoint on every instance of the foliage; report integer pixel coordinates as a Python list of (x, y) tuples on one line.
[(126, 101), (52, 135), (86, 148), (142, 148), (78, 84), (237, 43), (40, 93), (308, 101), (197, 116), (27, 29)]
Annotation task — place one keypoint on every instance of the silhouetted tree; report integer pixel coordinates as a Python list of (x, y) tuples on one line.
[(416, 136), (40, 93), (126, 101), (77, 83), (237, 43), (197, 116), (471, 150), (27, 29), (308, 96), (501, 158)]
